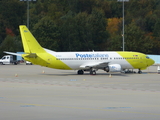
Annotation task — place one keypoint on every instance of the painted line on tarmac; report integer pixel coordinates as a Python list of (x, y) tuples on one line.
[(116, 107), (27, 106), (111, 109)]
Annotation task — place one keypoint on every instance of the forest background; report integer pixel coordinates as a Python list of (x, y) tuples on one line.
[(82, 25)]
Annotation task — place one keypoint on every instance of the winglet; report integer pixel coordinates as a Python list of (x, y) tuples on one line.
[(30, 44)]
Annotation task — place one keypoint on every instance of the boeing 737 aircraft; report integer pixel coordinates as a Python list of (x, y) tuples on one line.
[(81, 61)]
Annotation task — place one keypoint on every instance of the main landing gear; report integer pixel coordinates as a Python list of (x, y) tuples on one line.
[(91, 70)]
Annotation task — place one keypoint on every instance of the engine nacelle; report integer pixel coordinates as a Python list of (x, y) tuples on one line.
[(113, 68)]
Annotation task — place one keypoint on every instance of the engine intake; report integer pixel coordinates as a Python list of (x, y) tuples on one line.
[(113, 68)]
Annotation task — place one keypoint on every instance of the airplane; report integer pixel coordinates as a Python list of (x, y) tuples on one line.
[(109, 61)]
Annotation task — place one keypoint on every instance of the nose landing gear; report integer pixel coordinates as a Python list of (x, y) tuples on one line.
[(139, 71)]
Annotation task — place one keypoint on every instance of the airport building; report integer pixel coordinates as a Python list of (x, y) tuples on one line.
[(156, 58)]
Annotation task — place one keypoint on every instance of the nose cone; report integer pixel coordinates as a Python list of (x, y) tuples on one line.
[(150, 62)]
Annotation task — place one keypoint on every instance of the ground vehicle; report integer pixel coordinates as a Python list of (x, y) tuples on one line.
[(28, 63), (8, 59)]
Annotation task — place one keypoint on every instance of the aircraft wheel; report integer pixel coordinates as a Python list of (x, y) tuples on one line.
[(80, 72)]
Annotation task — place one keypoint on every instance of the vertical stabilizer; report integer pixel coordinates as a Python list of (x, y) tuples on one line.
[(30, 44)]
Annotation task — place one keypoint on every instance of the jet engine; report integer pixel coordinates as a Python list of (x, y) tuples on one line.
[(113, 68)]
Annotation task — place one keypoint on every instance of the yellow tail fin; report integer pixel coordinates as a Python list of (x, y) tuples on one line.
[(30, 44)]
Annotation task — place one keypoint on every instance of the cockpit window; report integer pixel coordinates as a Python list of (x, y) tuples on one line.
[(147, 57)]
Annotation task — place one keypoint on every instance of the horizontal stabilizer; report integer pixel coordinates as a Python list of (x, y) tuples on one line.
[(11, 53)]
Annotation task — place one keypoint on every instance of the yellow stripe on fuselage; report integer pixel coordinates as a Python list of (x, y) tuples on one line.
[(47, 60), (136, 59)]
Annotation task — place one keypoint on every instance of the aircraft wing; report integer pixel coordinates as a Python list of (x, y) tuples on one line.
[(95, 65)]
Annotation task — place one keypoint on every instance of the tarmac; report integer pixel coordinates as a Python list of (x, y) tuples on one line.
[(31, 92)]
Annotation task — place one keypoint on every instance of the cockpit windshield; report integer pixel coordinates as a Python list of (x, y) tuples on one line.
[(147, 57)]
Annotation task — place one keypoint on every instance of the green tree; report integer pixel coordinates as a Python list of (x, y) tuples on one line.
[(156, 35), (156, 30), (96, 22), (136, 40), (10, 43), (114, 43), (67, 32), (12, 14), (46, 32), (71, 25), (85, 6)]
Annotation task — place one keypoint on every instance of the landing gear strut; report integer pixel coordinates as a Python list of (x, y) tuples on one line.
[(92, 71)]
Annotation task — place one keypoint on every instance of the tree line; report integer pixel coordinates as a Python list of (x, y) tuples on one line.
[(82, 25)]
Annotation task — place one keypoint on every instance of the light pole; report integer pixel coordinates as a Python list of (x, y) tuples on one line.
[(28, 11), (123, 19)]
